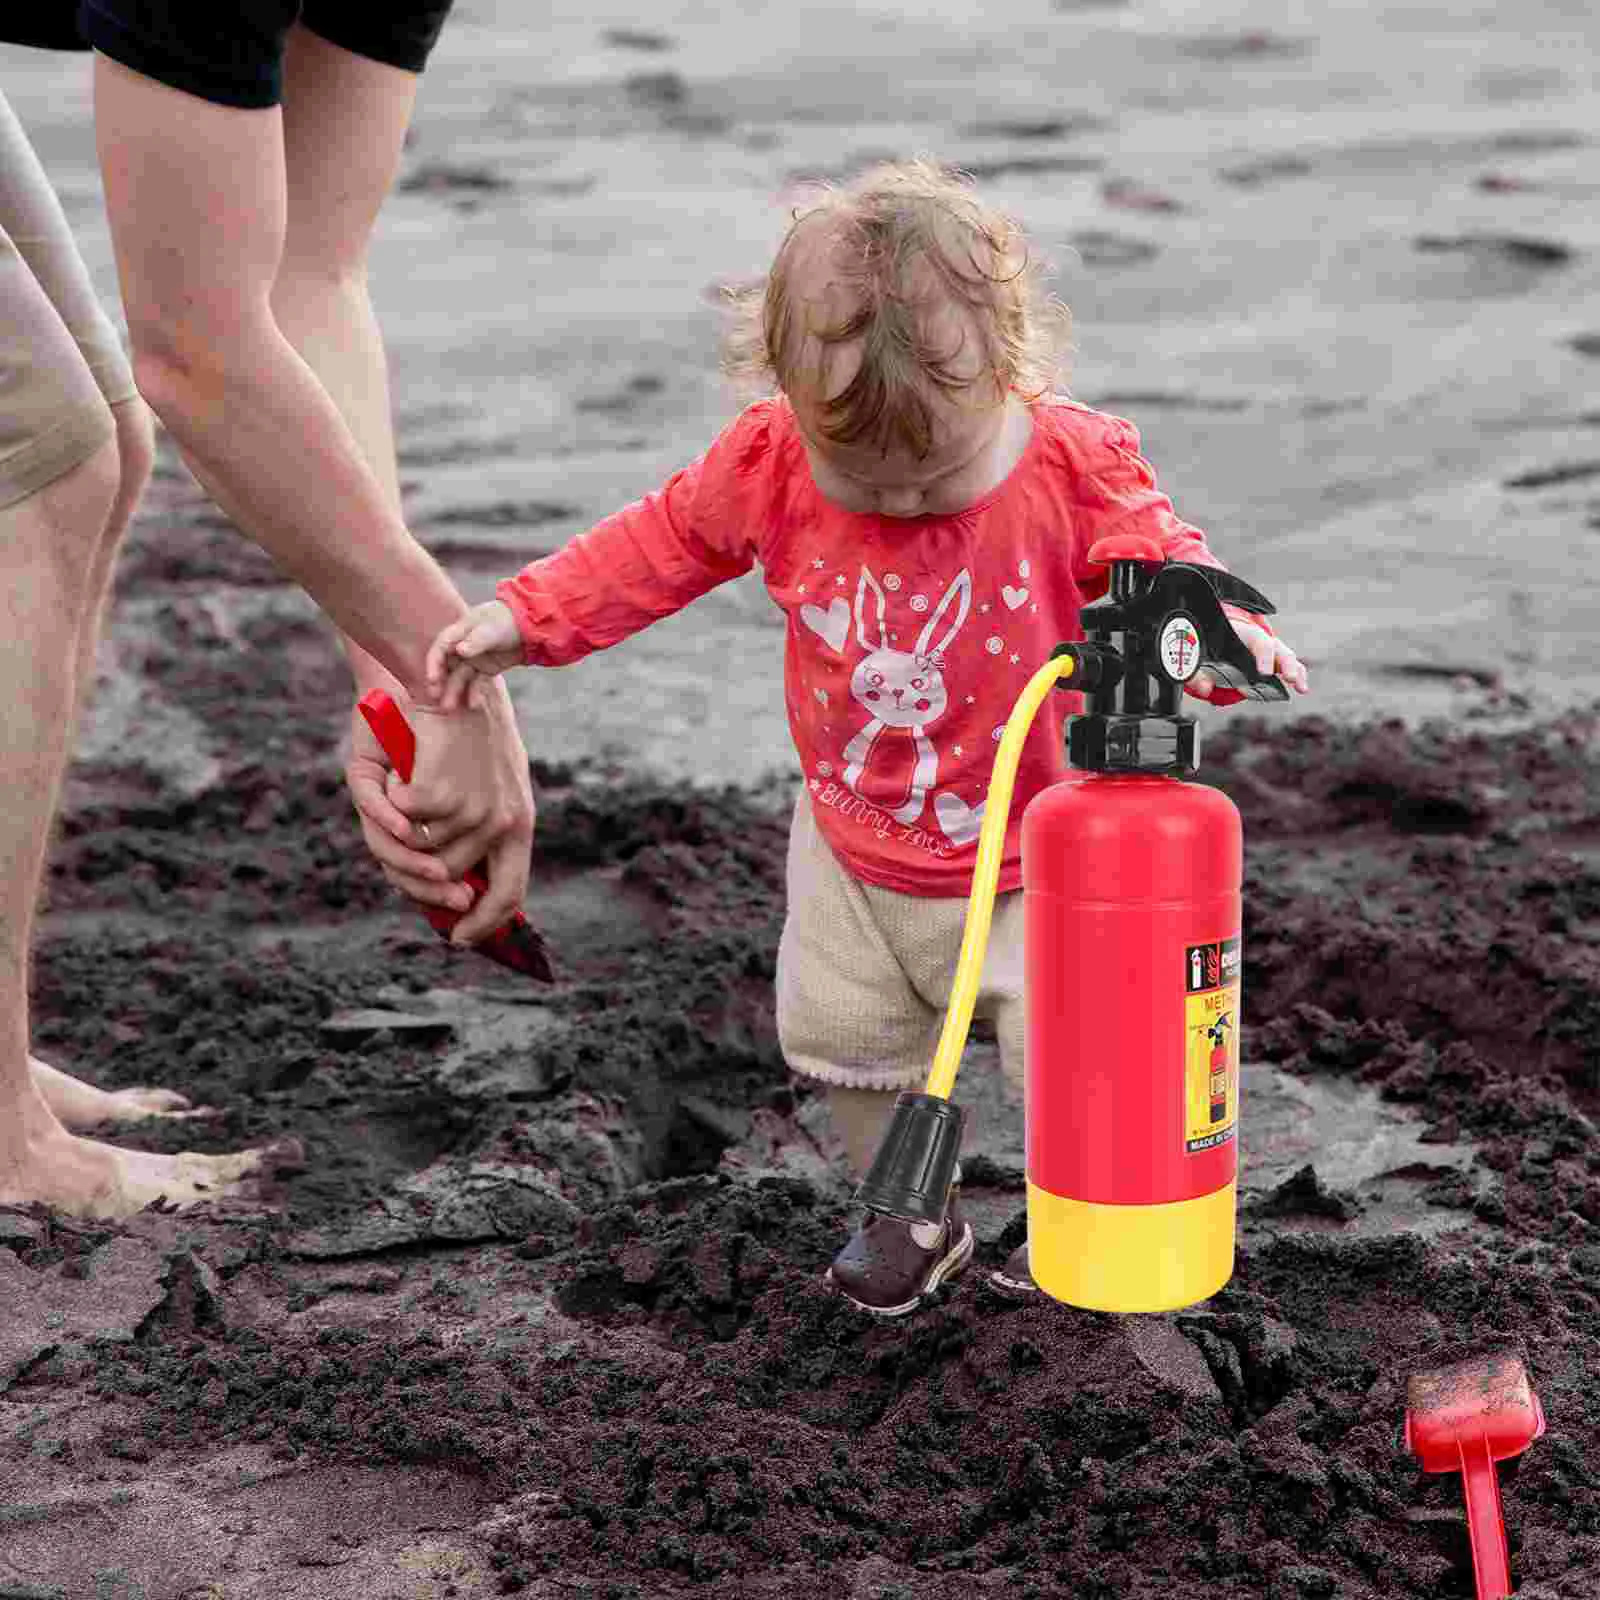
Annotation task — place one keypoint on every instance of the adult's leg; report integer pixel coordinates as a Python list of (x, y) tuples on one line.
[(344, 125), (38, 232), (47, 546), (197, 196), (60, 482)]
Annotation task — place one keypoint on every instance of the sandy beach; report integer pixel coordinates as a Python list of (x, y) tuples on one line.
[(543, 1313)]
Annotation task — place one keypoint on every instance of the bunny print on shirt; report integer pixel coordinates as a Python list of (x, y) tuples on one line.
[(902, 693)]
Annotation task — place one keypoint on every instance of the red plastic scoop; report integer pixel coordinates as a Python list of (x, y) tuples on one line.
[(1464, 1418), (518, 944)]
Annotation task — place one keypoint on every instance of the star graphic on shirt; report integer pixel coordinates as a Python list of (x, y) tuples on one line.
[(840, 580), (959, 751), (817, 562), (985, 606), (972, 699), (803, 590), (1016, 660)]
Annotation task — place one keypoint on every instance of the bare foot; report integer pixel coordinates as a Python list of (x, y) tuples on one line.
[(81, 1105), (85, 1178)]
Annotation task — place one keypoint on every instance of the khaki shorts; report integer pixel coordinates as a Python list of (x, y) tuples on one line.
[(864, 974), (61, 364)]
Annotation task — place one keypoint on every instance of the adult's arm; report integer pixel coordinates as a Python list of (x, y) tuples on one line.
[(196, 196)]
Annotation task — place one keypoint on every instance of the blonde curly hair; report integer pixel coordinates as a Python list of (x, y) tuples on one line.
[(899, 244)]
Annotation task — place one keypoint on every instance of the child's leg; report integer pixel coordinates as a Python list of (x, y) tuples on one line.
[(1003, 1000), (850, 1020), (859, 1117), (1000, 994)]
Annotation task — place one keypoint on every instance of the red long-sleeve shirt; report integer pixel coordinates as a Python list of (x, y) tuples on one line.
[(908, 641)]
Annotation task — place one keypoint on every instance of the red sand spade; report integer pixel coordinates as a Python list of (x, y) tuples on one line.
[(1464, 1418), (518, 945)]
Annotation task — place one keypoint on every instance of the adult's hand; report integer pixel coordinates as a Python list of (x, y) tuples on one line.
[(470, 800), (396, 845)]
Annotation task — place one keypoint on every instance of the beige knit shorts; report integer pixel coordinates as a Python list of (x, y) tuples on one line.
[(62, 365), (864, 974)]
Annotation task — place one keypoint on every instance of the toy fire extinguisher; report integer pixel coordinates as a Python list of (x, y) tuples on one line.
[(1131, 911)]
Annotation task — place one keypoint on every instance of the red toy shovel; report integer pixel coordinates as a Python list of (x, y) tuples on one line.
[(1464, 1418), (518, 945)]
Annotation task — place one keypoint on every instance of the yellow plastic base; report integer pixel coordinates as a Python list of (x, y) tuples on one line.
[(1131, 1258)]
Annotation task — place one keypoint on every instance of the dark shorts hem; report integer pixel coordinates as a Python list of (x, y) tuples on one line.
[(232, 55), (251, 81), (406, 42)]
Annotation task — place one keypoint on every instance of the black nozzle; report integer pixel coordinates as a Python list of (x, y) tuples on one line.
[(1159, 623), (911, 1174)]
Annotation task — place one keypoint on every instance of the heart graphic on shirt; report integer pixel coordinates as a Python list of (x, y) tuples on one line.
[(961, 822), (832, 625), (1022, 567), (1013, 597)]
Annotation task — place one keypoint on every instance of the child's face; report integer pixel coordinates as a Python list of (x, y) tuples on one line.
[(958, 470)]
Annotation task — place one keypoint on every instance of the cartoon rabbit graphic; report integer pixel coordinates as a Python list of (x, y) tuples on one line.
[(902, 691)]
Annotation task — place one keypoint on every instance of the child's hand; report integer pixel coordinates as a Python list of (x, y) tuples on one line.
[(1271, 655), (483, 644)]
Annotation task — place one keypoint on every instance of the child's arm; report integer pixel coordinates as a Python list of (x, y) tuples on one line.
[(1124, 491), (641, 564)]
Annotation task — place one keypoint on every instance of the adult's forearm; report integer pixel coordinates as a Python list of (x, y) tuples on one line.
[(262, 436)]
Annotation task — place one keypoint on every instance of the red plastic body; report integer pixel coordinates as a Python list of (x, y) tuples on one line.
[(1125, 878), (1126, 547), (518, 944)]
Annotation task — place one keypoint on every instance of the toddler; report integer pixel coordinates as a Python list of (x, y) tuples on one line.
[(922, 506)]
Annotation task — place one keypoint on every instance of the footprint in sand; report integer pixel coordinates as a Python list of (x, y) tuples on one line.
[(1037, 127), (1169, 400), (1549, 477), (628, 398), (1132, 196), (503, 514), (638, 39), (1266, 169), (1099, 248), (1029, 166), (1521, 249), (1252, 44), (435, 177)]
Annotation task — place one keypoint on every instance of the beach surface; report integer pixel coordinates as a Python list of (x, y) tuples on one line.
[(543, 1312)]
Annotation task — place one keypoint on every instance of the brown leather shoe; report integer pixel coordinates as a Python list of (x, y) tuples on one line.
[(1015, 1278), (889, 1267)]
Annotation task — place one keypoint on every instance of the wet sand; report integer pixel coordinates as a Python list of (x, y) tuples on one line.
[(543, 1314)]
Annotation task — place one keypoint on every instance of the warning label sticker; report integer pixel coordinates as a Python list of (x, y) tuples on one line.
[(1211, 1026)]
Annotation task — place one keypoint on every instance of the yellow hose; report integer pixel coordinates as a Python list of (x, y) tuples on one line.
[(986, 874)]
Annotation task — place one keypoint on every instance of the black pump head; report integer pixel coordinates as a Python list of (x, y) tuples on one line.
[(911, 1174), (1158, 624)]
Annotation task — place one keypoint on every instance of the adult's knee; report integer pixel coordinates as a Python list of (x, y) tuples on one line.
[(316, 284), (181, 364)]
